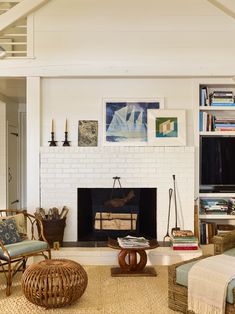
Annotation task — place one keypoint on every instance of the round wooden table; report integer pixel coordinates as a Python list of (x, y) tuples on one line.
[(132, 261)]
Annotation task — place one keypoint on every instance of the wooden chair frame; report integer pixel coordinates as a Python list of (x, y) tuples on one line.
[(11, 265)]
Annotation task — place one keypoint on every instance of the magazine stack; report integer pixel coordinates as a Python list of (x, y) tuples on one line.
[(231, 206), (184, 240), (213, 206), (133, 242)]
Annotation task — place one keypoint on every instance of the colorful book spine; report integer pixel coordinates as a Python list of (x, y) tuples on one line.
[(222, 104), (185, 248)]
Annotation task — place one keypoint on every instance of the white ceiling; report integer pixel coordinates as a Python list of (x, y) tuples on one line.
[(14, 88)]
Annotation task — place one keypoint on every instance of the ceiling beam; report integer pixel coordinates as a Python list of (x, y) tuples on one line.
[(22, 9), (227, 6)]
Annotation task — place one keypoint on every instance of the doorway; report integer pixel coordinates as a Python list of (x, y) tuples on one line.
[(13, 167)]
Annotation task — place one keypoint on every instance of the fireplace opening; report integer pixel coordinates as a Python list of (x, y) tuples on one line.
[(107, 212)]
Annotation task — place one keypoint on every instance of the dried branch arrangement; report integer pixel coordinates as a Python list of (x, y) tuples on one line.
[(52, 214)]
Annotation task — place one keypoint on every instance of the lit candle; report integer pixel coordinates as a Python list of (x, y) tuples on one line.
[(66, 125), (52, 126)]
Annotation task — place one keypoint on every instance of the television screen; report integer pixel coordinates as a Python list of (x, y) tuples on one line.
[(217, 161)]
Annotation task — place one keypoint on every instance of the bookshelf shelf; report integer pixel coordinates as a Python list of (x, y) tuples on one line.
[(216, 195), (217, 217), (215, 108), (213, 133)]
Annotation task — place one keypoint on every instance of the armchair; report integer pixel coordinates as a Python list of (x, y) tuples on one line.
[(19, 234), (178, 276)]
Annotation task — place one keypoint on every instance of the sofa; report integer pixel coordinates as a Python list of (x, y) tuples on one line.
[(178, 276)]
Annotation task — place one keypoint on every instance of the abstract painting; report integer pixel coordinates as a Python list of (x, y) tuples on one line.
[(125, 122), (166, 127), (87, 133)]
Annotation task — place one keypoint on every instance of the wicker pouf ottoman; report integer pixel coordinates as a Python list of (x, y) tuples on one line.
[(54, 283)]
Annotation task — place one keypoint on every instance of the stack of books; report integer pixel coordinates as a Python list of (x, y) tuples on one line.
[(207, 121), (213, 206), (222, 98), (184, 240), (222, 229), (132, 242), (224, 124), (231, 206)]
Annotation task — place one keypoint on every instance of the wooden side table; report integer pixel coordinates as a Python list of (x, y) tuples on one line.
[(132, 261)]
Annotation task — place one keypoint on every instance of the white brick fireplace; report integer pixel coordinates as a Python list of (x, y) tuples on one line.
[(64, 169)]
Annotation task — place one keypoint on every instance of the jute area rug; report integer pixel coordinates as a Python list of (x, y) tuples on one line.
[(104, 295)]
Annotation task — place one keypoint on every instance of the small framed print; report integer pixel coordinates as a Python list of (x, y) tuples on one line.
[(87, 133), (167, 127)]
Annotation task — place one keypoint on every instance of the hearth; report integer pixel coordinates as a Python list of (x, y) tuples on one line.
[(106, 212)]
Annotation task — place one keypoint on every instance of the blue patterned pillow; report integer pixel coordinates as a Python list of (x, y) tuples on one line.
[(8, 232)]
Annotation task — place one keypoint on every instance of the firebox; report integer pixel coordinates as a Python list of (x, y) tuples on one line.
[(106, 212)]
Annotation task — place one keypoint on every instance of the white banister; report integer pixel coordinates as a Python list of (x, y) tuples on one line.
[(19, 11)]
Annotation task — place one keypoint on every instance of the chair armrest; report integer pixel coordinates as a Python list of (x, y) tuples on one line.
[(35, 227), (4, 249), (224, 242)]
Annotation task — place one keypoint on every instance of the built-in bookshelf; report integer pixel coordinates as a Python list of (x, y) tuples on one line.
[(217, 109), (216, 119)]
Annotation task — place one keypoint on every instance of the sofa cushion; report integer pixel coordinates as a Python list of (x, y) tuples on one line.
[(8, 232), (23, 248), (230, 252), (182, 279)]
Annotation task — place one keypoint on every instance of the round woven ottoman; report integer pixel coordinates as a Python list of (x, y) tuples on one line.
[(54, 283)]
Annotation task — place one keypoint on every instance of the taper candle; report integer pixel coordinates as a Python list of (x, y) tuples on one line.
[(66, 125), (52, 125)]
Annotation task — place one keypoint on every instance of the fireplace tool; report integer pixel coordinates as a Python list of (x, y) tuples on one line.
[(176, 212), (167, 236)]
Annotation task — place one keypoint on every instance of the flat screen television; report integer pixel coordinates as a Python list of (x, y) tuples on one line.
[(217, 166)]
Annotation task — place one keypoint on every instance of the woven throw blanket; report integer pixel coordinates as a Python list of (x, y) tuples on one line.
[(207, 284)]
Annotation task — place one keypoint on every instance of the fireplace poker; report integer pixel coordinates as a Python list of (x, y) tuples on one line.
[(176, 226), (167, 236)]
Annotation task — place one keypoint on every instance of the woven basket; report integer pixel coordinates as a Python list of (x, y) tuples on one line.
[(54, 283)]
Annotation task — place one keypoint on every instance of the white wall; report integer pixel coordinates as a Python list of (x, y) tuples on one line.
[(149, 34), (78, 99), (64, 169), (3, 191), (128, 37)]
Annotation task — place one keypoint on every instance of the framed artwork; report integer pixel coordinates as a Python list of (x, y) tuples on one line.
[(87, 133), (166, 127), (125, 121)]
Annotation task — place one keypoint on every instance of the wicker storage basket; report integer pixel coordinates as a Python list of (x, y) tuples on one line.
[(54, 230)]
